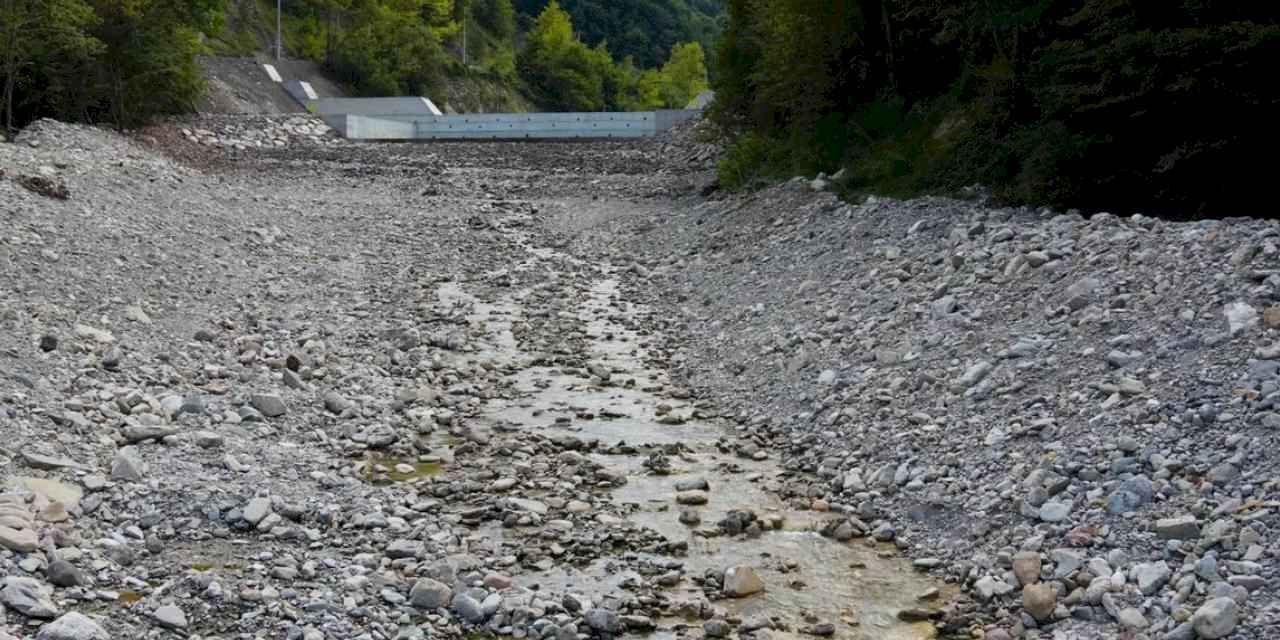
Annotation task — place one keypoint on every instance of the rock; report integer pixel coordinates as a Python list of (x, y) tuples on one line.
[(1178, 528), (294, 381), (171, 617), (21, 540), (1151, 576), (269, 405), (693, 484), (430, 594), (73, 626), (335, 403), (691, 497), (50, 463), (100, 336), (603, 620), (989, 587), (1026, 566), (716, 628), (1055, 511), (975, 374), (690, 517), (1271, 317), (1216, 618), (468, 608), (256, 510), (742, 581), (1240, 317), (64, 574), (128, 465), (48, 342), (1132, 618), (403, 549), (1039, 600), (28, 597), (1077, 295), (208, 440)]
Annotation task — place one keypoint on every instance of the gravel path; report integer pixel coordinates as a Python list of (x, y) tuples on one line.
[(309, 389)]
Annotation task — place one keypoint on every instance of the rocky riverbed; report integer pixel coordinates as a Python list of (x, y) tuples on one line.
[(309, 390)]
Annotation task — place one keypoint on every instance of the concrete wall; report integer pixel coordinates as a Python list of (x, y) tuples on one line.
[(366, 128), (407, 106), (301, 91), (509, 126)]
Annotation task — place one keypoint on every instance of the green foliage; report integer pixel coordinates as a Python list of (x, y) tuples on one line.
[(564, 74), (118, 61), (1090, 103), (684, 75), (642, 30), (750, 160)]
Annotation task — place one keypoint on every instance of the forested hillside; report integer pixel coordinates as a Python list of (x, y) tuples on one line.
[(643, 30), (1103, 104), (125, 61)]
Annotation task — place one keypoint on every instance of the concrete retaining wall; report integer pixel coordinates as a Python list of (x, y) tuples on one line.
[(510, 126), (407, 106)]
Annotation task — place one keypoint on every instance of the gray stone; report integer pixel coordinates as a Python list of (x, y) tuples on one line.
[(171, 617), (335, 403), (73, 626), (975, 374), (1151, 576), (21, 540), (403, 549), (603, 620), (468, 608), (269, 405), (1055, 511), (208, 440), (716, 628), (693, 484), (64, 574), (989, 587), (128, 465), (691, 497), (294, 381), (28, 597), (1178, 528), (1240, 317), (1216, 618), (256, 510), (1132, 618), (430, 594)]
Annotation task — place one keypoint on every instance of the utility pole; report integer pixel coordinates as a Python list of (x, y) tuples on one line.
[(464, 34), (279, 42)]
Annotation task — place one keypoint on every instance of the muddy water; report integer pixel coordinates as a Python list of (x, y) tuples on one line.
[(858, 587)]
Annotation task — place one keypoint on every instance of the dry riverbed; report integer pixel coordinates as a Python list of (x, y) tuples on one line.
[(257, 382)]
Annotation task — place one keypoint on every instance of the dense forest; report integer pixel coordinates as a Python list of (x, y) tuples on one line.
[(1136, 105), (124, 61)]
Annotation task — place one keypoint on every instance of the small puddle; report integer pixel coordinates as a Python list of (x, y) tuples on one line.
[(383, 469), (858, 587)]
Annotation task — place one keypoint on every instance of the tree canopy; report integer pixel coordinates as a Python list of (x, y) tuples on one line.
[(1143, 105)]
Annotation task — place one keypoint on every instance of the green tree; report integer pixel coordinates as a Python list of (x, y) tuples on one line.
[(45, 45), (684, 76), (562, 72)]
